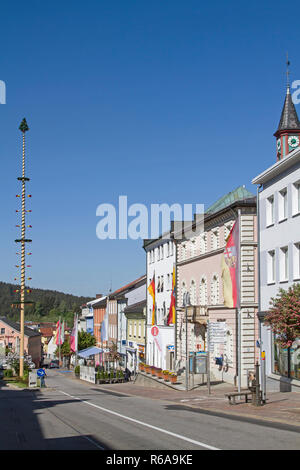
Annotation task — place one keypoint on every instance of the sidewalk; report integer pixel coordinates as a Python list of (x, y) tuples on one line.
[(281, 408)]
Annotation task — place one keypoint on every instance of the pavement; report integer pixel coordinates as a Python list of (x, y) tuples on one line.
[(280, 407)]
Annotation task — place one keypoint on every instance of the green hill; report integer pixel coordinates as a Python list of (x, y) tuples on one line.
[(48, 305)]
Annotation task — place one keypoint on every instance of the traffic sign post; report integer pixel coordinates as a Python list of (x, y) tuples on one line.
[(41, 374)]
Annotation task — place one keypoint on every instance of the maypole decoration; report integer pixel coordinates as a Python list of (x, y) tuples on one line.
[(23, 240)]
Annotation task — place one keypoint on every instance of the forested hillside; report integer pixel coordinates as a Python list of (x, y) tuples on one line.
[(48, 305)]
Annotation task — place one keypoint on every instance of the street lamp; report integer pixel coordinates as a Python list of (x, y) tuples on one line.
[(186, 303)]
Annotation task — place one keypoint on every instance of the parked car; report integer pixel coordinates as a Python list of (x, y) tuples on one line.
[(31, 365), (53, 365)]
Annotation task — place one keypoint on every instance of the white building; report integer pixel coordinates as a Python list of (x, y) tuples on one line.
[(161, 259), (279, 240)]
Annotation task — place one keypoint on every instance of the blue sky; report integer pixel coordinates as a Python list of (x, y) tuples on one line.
[(162, 101)]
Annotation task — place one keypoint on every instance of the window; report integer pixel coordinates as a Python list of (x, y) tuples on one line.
[(158, 254), (271, 267), (170, 248), (296, 198), (183, 291), (135, 329), (215, 239), (167, 249), (296, 261), (203, 240), (227, 228), (282, 204), (286, 361), (158, 283), (215, 290), (161, 283), (161, 252), (203, 291), (193, 247), (284, 264), (183, 252), (193, 293), (270, 211), (3, 331)]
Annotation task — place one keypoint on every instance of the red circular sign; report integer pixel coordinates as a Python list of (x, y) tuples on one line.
[(154, 331)]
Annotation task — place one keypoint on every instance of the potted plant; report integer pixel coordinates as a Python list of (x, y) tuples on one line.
[(166, 375), (159, 373), (77, 371), (106, 377), (148, 369), (173, 377), (153, 371), (142, 366)]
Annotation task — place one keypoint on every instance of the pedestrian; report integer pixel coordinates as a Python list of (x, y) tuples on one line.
[(43, 378), (127, 375)]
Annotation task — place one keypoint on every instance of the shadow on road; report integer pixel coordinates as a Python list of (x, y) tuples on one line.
[(21, 427)]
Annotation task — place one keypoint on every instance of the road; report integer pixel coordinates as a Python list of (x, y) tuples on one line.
[(70, 414)]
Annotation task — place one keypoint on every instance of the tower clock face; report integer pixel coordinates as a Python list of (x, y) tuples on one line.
[(278, 145), (293, 141)]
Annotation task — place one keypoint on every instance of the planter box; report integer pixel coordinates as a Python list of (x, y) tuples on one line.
[(173, 379), (166, 377), (148, 370)]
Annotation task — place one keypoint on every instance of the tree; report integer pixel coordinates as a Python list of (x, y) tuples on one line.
[(85, 340), (284, 316), (113, 355)]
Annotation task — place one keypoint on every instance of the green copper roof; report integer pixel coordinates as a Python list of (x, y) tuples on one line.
[(238, 194)]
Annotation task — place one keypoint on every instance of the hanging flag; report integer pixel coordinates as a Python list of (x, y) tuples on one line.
[(151, 290), (230, 269), (58, 333), (171, 317), (73, 336), (62, 333), (104, 327)]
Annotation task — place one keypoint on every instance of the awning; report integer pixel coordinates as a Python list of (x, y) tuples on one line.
[(89, 351)]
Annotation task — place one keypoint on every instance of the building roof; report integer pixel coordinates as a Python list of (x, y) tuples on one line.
[(141, 279), (16, 326), (279, 167), (136, 308), (289, 118), (47, 331), (238, 194)]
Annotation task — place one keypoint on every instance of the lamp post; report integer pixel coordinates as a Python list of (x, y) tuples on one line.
[(186, 303)]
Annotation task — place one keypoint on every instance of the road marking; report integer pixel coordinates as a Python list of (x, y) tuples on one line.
[(201, 444)]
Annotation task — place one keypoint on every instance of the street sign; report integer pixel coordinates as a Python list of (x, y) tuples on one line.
[(154, 331), (40, 372), (217, 334)]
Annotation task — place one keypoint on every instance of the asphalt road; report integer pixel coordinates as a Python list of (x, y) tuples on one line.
[(74, 415)]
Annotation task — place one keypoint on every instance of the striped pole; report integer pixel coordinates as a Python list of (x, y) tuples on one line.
[(23, 128)]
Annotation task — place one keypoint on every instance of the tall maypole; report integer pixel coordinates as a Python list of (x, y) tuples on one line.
[(23, 128)]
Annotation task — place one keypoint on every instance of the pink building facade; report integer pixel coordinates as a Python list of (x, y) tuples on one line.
[(199, 272), (10, 337)]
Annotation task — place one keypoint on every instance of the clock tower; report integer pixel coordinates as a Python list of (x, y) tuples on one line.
[(288, 132)]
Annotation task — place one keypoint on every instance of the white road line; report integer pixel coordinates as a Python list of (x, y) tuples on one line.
[(201, 444)]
